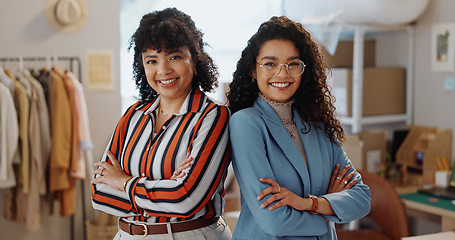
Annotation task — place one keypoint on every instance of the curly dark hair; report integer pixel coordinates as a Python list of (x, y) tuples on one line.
[(313, 99), (167, 30)]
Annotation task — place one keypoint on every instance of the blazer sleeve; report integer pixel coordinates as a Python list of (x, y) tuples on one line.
[(350, 204), (250, 162)]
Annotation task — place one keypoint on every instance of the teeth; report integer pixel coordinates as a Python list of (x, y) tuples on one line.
[(168, 81), (280, 85)]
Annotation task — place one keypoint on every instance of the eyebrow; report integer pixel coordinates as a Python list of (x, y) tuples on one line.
[(166, 53), (173, 51), (274, 58)]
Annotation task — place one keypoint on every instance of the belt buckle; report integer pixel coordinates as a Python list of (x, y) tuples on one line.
[(146, 230)]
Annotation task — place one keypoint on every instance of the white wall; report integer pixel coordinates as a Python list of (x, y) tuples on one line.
[(433, 105), (25, 32)]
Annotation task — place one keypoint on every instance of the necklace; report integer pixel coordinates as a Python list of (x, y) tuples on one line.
[(292, 134), (166, 114), (283, 110), (290, 122)]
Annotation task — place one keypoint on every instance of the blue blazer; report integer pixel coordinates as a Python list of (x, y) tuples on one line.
[(263, 148)]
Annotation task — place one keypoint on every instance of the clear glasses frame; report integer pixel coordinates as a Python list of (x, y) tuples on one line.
[(278, 67)]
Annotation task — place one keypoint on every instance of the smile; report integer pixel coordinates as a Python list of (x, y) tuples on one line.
[(165, 82), (280, 85)]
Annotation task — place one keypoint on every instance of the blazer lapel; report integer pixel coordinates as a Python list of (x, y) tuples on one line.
[(311, 144), (284, 140)]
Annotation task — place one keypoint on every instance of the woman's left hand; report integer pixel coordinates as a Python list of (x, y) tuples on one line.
[(340, 181), (280, 194), (110, 174)]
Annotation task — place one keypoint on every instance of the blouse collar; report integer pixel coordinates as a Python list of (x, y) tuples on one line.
[(192, 104)]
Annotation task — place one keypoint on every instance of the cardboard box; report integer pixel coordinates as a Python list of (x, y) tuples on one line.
[(344, 53), (384, 90), (366, 150)]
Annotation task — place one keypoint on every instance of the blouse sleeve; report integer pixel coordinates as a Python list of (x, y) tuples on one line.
[(190, 194), (250, 162), (104, 197), (203, 182)]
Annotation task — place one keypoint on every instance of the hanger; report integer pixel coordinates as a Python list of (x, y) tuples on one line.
[(55, 67), (21, 68), (48, 64)]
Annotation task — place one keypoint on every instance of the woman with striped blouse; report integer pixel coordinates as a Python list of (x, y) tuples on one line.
[(165, 164)]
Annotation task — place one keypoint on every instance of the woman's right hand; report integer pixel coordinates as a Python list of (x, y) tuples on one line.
[(179, 173), (340, 181)]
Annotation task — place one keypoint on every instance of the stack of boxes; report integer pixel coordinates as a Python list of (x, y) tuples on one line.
[(384, 88), (383, 93)]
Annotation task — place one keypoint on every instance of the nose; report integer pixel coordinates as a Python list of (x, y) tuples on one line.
[(164, 68), (282, 73)]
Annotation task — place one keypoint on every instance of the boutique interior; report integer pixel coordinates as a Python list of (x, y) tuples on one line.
[(393, 76)]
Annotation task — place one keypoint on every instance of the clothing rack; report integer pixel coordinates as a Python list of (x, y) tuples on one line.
[(48, 59), (73, 61)]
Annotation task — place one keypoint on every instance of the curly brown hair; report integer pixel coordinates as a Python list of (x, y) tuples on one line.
[(167, 30), (313, 99)]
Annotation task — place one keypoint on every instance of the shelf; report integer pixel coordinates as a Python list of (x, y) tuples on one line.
[(357, 120), (370, 120)]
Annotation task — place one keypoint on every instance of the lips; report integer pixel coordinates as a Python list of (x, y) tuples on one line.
[(168, 81), (280, 84)]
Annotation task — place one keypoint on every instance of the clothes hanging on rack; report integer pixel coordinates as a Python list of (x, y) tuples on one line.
[(60, 112), (9, 137), (56, 138), (22, 199), (82, 143), (23, 108)]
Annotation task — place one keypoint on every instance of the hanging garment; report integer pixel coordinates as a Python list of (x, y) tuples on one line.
[(26, 207), (6, 80), (43, 113), (16, 197), (81, 130), (23, 107), (9, 137), (60, 112)]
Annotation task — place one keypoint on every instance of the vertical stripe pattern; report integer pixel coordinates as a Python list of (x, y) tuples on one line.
[(201, 128)]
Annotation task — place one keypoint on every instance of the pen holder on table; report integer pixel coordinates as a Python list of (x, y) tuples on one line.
[(441, 178)]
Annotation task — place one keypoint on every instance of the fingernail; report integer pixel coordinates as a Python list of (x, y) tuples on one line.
[(262, 206)]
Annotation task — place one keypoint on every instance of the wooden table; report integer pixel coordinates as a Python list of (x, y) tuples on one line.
[(431, 208)]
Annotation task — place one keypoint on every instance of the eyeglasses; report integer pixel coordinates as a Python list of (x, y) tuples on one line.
[(293, 68)]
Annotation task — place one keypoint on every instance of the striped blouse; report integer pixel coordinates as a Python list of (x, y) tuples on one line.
[(201, 128)]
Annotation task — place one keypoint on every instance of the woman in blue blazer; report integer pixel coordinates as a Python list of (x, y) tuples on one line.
[(286, 141)]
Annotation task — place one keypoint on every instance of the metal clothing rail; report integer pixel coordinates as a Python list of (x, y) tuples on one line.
[(52, 60), (48, 59)]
